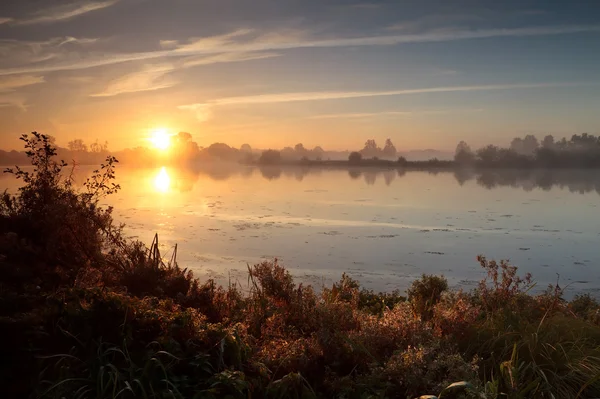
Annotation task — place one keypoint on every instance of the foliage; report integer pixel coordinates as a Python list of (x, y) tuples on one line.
[(425, 293), (270, 157), (355, 157), (88, 313)]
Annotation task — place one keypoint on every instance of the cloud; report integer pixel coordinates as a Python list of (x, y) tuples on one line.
[(227, 57), (322, 96), (203, 112), (71, 39), (393, 113), (5, 20), (64, 12), (208, 45), (246, 41), (22, 52), (12, 100), (11, 83), (361, 115), (150, 78)]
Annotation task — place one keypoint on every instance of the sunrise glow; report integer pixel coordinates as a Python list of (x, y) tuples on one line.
[(160, 139), (162, 181)]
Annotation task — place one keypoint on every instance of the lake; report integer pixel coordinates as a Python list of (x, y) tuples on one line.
[(382, 227)]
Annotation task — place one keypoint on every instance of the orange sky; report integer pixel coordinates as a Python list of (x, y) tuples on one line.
[(425, 74)]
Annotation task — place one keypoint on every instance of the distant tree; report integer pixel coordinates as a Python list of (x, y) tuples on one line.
[(186, 148), (98, 147), (222, 150), (389, 150), (370, 149), (548, 142), (517, 145), (463, 153), (288, 153), (246, 148), (488, 154), (562, 144), (183, 137), (318, 153), (299, 148), (270, 157), (530, 145), (77, 145), (370, 145), (355, 157), (402, 161)]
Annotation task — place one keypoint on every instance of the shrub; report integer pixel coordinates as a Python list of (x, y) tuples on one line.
[(425, 293), (355, 157)]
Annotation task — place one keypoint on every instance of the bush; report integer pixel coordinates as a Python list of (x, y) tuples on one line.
[(355, 157), (270, 157), (425, 293)]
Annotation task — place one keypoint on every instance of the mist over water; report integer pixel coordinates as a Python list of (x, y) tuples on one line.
[(382, 227)]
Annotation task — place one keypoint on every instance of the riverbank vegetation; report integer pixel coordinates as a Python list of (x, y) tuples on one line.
[(87, 313)]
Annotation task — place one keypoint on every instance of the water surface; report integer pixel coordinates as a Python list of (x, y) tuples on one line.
[(382, 227)]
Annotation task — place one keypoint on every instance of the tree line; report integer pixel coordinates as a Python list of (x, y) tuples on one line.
[(581, 150)]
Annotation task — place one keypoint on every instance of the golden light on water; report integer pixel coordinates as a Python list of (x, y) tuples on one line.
[(160, 139), (162, 181)]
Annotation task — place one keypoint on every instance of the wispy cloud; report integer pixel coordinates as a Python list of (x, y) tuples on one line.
[(322, 96), (5, 20), (212, 44), (64, 12), (11, 83), (246, 41), (227, 57), (203, 112), (150, 78), (361, 115), (368, 115), (12, 100)]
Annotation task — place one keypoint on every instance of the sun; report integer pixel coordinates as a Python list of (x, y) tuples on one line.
[(160, 139)]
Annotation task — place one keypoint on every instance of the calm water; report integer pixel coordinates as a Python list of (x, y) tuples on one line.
[(382, 227)]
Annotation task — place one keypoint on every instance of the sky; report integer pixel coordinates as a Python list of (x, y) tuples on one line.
[(273, 73)]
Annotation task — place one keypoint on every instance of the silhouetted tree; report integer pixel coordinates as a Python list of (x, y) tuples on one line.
[(370, 150), (355, 157), (186, 148), (402, 161), (77, 145), (98, 147), (488, 154), (270, 157), (299, 148), (318, 153), (464, 154), (246, 148), (389, 150), (288, 153), (223, 151), (548, 142), (530, 145)]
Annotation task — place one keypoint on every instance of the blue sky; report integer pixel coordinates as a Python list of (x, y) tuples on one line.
[(273, 73)]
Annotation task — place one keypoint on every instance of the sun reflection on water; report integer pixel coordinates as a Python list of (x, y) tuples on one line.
[(162, 181)]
